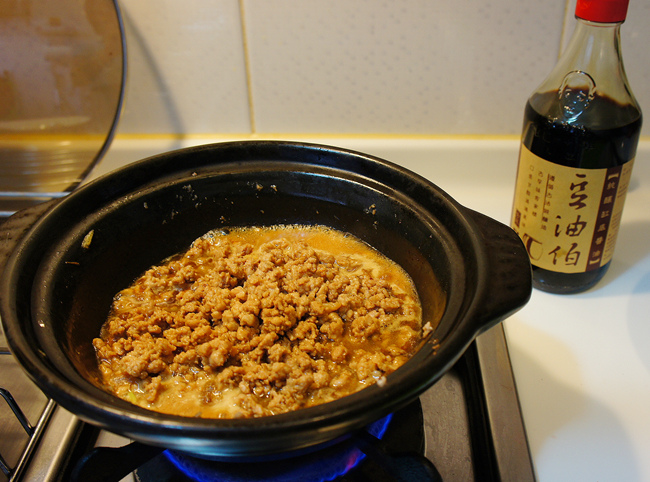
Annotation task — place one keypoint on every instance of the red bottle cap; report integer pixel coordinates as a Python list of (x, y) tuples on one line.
[(603, 11)]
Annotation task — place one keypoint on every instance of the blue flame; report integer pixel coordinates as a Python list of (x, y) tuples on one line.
[(321, 466)]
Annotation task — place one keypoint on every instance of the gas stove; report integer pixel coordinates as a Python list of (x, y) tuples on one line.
[(468, 426)]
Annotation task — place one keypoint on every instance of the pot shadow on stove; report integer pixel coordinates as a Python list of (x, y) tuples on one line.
[(567, 431)]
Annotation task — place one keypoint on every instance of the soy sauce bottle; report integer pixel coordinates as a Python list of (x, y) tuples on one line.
[(580, 135)]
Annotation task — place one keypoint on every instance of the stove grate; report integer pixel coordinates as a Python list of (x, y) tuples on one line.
[(33, 432)]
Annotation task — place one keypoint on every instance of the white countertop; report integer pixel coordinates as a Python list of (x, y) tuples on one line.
[(581, 362)]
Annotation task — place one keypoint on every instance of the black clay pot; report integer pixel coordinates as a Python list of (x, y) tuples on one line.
[(470, 271)]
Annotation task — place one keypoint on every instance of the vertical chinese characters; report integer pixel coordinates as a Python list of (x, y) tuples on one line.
[(568, 250)]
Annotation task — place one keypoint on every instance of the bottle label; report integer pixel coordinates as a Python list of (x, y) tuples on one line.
[(568, 218)]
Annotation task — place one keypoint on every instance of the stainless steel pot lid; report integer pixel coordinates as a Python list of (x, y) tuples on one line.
[(62, 72)]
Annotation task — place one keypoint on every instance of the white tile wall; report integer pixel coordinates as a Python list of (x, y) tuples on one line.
[(352, 67), (185, 67)]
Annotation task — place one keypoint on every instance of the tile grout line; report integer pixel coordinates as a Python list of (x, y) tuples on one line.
[(249, 84)]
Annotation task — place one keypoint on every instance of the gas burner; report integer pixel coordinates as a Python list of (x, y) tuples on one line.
[(315, 466), (391, 449)]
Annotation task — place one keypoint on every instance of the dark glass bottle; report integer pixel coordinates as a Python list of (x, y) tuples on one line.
[(580, 134)]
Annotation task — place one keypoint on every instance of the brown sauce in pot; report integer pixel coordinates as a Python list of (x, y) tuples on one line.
[(258, 321)]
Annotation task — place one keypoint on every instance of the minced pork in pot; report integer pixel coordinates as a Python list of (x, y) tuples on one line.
[(251, 322)]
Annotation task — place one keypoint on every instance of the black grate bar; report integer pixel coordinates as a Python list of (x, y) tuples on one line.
[(34, 434), (17, 411), (33, 441)]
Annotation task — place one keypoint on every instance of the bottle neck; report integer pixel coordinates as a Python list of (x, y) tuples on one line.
[(591, 65), (594, 48)]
